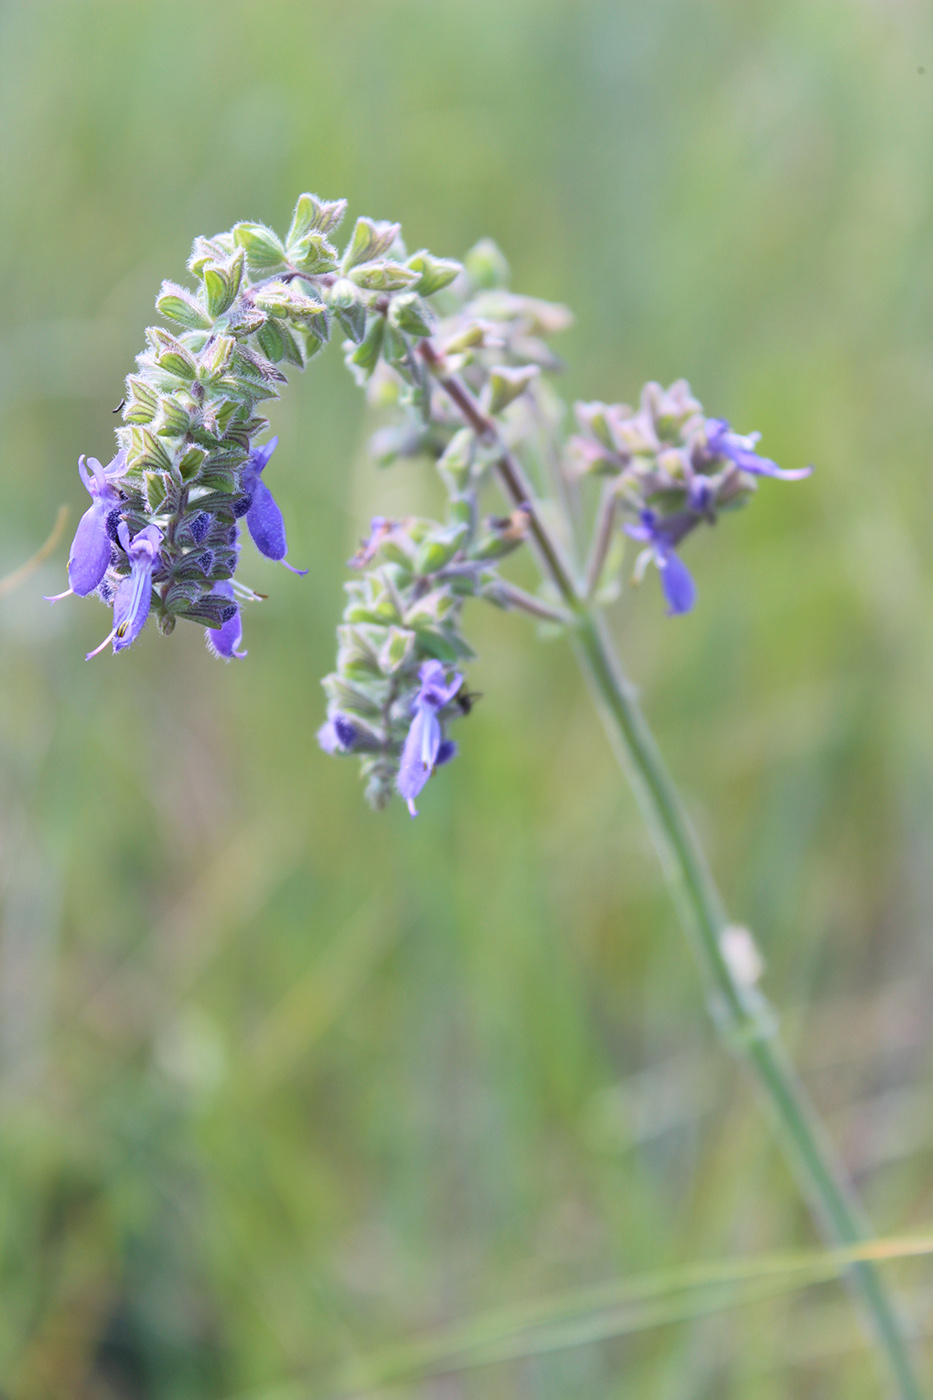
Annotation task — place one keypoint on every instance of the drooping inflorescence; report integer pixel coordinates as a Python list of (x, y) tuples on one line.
[(457, 363), (188, 469)]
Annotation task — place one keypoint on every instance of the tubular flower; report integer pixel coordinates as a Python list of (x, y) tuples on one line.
[(133, 595), (722, 442), (337, 735), (89, 557), (224, 640), (263, 517), (661, 535), (425, 745)]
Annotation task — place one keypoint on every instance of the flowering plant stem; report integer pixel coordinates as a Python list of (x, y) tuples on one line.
[(745, 1021)]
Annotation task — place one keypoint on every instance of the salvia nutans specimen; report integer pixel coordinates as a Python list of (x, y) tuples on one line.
[(458, 364), (162, 534)]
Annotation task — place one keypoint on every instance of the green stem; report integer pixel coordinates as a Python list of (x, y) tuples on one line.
[(743, 1017)]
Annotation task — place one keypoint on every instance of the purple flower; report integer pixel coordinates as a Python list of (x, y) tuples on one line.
[(722, 442), (425, 746), (263, 517), (89, 557), (134, 594), (337, 735), (223, 641), (676, 580)]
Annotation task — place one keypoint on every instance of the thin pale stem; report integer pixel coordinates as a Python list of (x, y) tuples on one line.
[(566, 488), (509, 595), (602, 538), (741, 1014)]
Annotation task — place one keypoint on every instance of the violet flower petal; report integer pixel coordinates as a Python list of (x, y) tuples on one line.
[(721, 441), (89, 557), (446, 751), (223, 641), (265, 524), (131, 606), (133, 597), (676, 581), (413, 771)]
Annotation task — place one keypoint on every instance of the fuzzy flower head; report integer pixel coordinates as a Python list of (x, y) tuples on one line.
[(671, 469)]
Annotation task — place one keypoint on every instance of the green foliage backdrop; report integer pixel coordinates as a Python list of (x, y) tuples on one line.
[(283, 1080)]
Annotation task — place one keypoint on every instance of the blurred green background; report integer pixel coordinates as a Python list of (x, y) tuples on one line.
[(283, 1080)]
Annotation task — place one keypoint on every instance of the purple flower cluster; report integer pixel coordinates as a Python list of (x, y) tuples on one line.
[(103, 547), (425, 747), (673, 469)]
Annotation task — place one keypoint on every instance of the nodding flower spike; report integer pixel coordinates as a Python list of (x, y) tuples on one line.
[(721, 441), (263, 517), (676, 579), (425, 746), (89, 557), (223, 641), (134, 594)]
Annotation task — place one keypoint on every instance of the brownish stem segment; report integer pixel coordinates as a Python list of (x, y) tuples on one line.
[(511, 474)]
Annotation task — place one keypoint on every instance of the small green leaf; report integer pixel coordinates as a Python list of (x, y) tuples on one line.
[(439, 548), (291, 347), (178, 304), (156, 490), (251, 362), (457, 460), (219, 288), (383, 276), (506, 384), (395, 348), (222, 480), (434, 273), (171, 354), (344, 299), (397, 650), (147, 451), (486, 265), (352, 698), (271, 342), (173, 420), (142, 401), (191, 463), (264, 250), (364, 358), (216, 356), (314, 213), (273, 298), (313, 255), (368, 241), (205, 250), (409, 313)]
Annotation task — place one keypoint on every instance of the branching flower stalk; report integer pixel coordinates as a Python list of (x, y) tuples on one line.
[(456, 363)]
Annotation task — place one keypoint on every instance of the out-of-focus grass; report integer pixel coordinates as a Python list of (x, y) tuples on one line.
[(284, 1081)]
